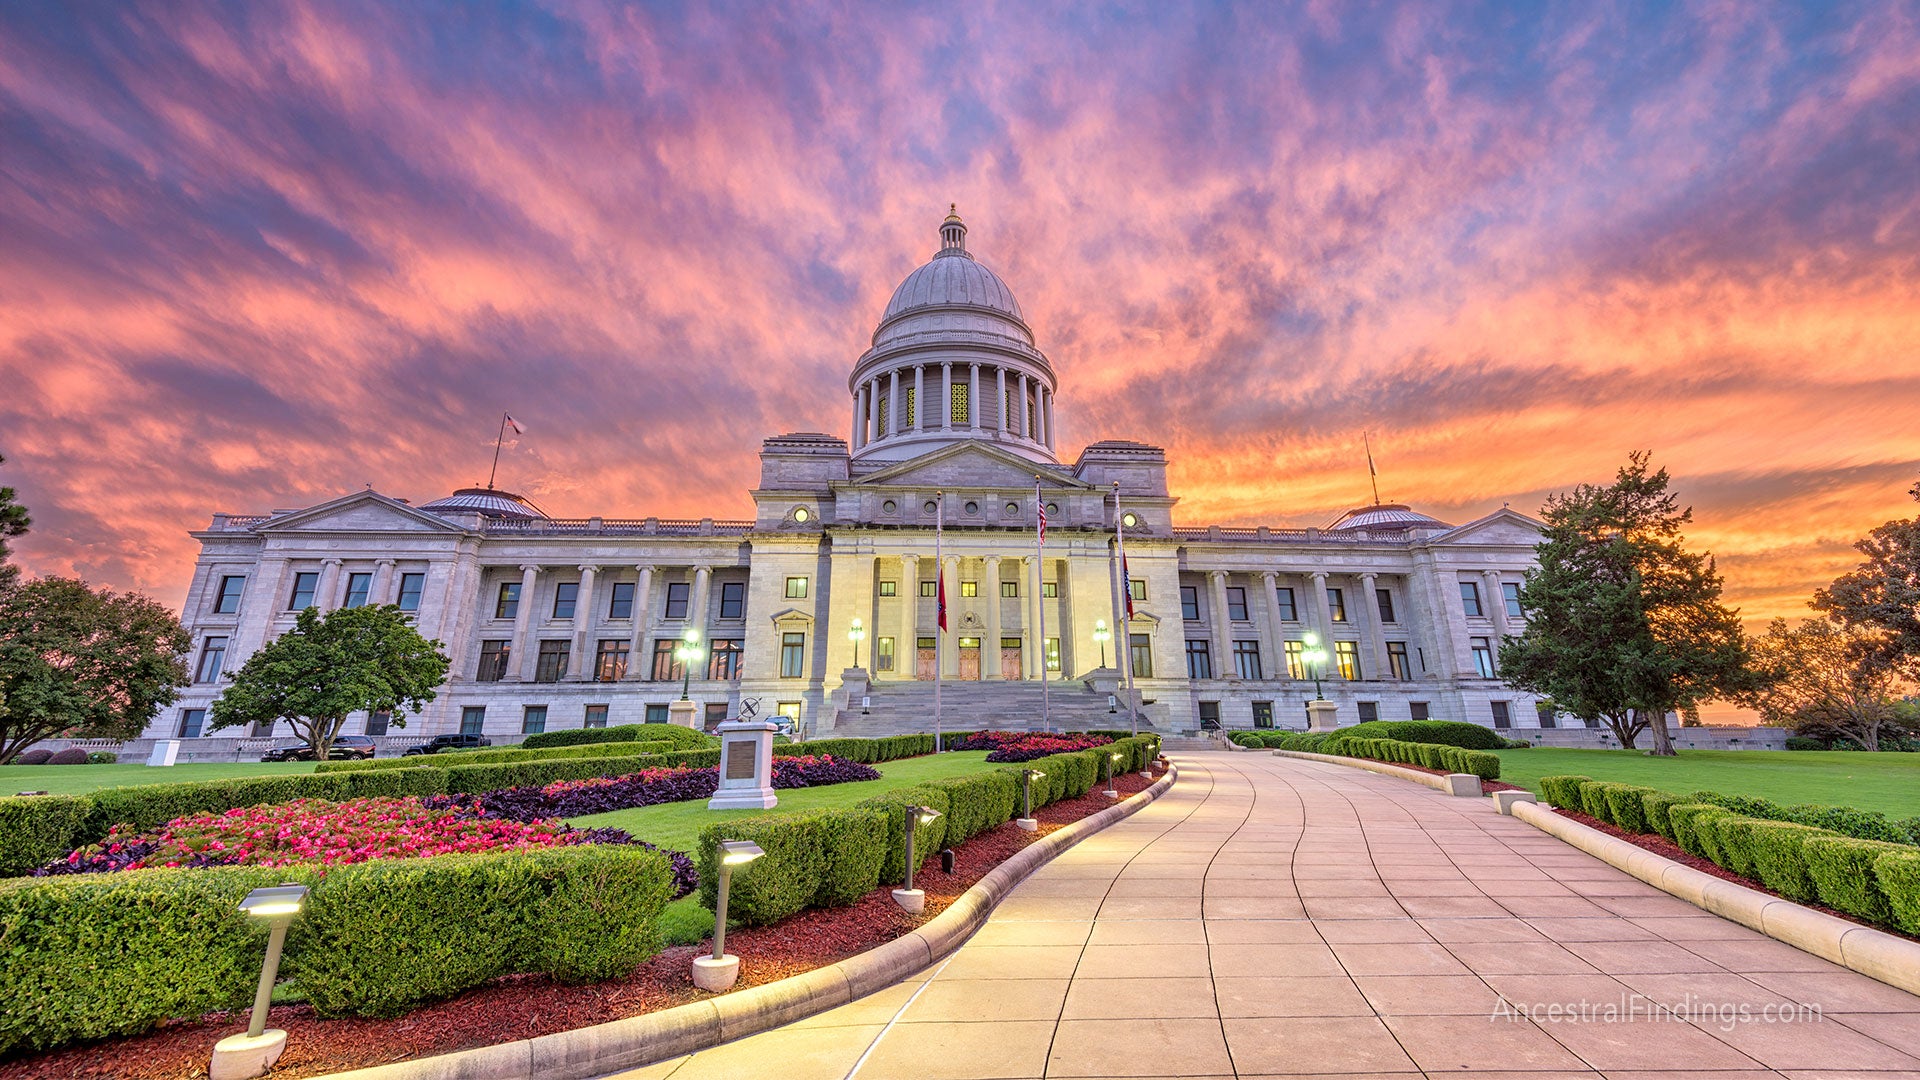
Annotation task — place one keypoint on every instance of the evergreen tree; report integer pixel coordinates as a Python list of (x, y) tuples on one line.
[(13, 522), (1625, 625)]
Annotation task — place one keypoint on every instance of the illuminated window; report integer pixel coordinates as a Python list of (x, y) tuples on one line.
[(969, 588), (887, 588), (1336, 605), (910, 406), (1347, 655), (796, 588), (880, 429), (610, 662), (723, 660), (1137, 588), (1296, 660), (1010, 590), (507, 604), (1140, 654)]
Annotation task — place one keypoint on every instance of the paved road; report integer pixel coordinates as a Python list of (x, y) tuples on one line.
[(1271, 917)]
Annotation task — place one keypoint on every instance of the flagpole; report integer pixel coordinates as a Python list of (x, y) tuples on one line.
[(1366, 439), (497, 440), (1040, 598), (940, 612), (1126, 628)]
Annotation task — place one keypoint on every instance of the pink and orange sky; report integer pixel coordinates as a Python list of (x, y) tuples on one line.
[(259, 255)]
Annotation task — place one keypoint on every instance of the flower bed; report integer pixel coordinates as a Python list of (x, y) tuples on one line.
[(648, 787), (1008, 747)]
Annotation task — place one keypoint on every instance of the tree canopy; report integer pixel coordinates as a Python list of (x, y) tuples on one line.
[(75, 662), (364, 659), (13, 522), (1881, 597), (1625, 625), (1827, 681)]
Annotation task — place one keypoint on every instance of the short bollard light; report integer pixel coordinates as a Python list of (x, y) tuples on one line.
[(1113, 765), (1146, 762), (238, 1057), (908, 897), (718, 972), (1026, 818)]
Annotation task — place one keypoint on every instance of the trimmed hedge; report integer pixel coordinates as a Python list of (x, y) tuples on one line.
[(1683, 817), (1426, 755), (864, 751), (98, 955), (1627, 806), (977, 803), (813, 859), (1842, 870), (496, 757), (1563, 791), (1654, 806), (1438, 732), (682, 738), (927, 838), (1898, 873), (36, 829)]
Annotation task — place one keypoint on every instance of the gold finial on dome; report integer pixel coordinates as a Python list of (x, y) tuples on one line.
[(953, 211)]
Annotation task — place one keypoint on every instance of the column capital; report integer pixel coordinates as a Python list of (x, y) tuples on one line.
[(909, 557), (588, 568), (992, 560), (1269, 577), (530, 568), (335, 563), (645, 569), (384, 564), (1320, 577), (1217, 575), (1369, 576)]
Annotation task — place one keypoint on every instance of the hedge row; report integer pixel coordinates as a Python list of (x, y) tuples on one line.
[(1453, 759), (683, 738), (99, 955), (499, 757), (1867, 877), (864, 751)]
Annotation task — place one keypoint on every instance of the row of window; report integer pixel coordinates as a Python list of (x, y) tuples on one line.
[(1008, 589), (1346, 657), (193, 724), (306, 586), (533, 718), (1501, 713), (566, 598), (1336, 602), (1509, 598)]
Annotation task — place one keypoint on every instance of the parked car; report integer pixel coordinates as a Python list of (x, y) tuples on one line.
[(345, 748), (448, 742)]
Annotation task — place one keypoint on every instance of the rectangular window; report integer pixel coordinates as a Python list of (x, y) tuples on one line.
[(1009, 590), (1336, 605), (923, 643), (226, 599), (596, 717), (1052, 646), (1288, 612), (1544, 711), (970, 643), (1137, 588), (1347, 655), (1236, 603), (533, 719), (793, 655), (1397, 660), (304, 583), (1189, 603), (733, 600), (1140, 654), (1263, 714), (213, 657), (411, 586), (1502, 715), (1470, 599), (1483, 657), (723, 660), (715, 715), (958, 406), (887, 588), (566, 595), (551, 663), (1369, 710), (1209, 715), (494, 656), (967, 588), (473, 719), (507, 605), (656, 713), (1510, 595), (620, 604), (883, 657), (928, 588), (610, 661), (358, 586), (192, 720), (377, 722), (1417, 710), (1010, 643), (677, 594), (1049, 590), (665, 667), (1296, 660), (1246, 659), (1384, 598), (1199, 661)]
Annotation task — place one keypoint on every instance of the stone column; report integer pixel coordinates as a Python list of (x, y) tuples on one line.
[(1035, 655), (857, 432), (990, 646), (1273, 641), (906, 647), (973, 396), (642, 615), (1496, 603), (697, 608), (950, 653), (1221, 625), (520, 664), (919, 398), (1020, 410), (382, 592), (946, 396), (326, 592), (1376, 653), (897, 407), (579, 664), (1049, 419), (1000, 398)]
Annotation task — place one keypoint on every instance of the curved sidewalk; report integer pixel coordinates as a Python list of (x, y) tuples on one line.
[(1274, 917)]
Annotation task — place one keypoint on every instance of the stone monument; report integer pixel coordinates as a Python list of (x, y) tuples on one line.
[(746, 767)]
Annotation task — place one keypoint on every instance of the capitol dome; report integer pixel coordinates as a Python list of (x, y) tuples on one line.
[(952, 335), (1386, 518), (487, 502)]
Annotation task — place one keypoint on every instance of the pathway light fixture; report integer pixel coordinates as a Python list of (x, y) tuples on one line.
[(238, 1057), (687, 653), (856, 634), (908, 897), (1102, 635), (1026, 819), (718, 972), (1113, 766)]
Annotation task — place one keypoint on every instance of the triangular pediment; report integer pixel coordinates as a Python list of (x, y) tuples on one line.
[(1503, 526), (970, 466), (360, 512)]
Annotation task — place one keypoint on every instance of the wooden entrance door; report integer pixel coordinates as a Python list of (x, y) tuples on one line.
[(970, 659), (926, 663), (1010, 664)]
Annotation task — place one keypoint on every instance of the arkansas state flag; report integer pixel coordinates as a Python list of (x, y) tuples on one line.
[(940, 590)]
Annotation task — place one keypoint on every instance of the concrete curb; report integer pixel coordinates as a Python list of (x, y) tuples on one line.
[(1877, 955), (1444, 784), (643, 1040)]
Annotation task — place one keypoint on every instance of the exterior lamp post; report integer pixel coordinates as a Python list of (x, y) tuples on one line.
[(1113, 765), (1102, 635), (718, 972), (856, 634), (687, 653), (1026, 819), (238, 1057), (1314, 656), (908, 897)]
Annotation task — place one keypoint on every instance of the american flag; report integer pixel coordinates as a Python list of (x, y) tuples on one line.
[(1042, 506), (1127, 582)]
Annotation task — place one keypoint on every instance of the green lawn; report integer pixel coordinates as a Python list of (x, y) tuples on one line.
[(80, 779), (1887, 782), (678, 825)]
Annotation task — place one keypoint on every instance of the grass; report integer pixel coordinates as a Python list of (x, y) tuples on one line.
[(1887, 782), (80, 779)]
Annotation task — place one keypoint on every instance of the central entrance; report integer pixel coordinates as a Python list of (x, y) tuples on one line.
[(926, 659), (970, 659), (1010, 659)]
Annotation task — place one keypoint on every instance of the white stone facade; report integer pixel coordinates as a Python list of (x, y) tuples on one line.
[(844, 529)]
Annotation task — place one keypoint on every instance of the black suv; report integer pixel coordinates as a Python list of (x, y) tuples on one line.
[(345, 748), (449, 742)]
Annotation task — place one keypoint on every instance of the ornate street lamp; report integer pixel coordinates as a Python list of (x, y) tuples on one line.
[(687, 653), (1314, 656), (1101, 634), (856, 634)]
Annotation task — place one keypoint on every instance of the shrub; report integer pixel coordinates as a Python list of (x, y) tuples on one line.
[(1563, 791), (1805, 742), (102, 757), (1776, 850), (1626, 806), (1848, 821), (1250, 739), (1841, 869), (1593, 799), (1733, 835), (1910, 827), (1898, 873), (477, 779), (33, 757), (36, 829), (1654, 806), (681, 737), (928, 837), (1693, 828), (1480, 763), (977, 803), (1440, 732), (453, 758), (811, 859), (72, 755)]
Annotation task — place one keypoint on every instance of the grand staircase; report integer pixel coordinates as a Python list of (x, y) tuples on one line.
[(898, 708)]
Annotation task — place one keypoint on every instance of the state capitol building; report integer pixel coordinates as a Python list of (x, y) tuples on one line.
[(555, 623)]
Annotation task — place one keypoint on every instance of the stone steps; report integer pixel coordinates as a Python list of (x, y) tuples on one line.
[(901, 708)]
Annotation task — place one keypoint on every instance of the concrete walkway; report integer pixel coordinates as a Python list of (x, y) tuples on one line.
[(1271, 917)]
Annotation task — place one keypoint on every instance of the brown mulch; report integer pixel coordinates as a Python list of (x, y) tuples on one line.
[(1666, 848), (525, 1006)]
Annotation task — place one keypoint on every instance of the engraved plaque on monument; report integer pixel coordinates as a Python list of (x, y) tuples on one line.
[(746, 766)]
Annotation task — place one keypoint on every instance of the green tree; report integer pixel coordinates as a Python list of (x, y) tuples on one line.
[(1882, 595), (364, 659), (1625, 625), (13, 522), (1827, 681), (79, 663)]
